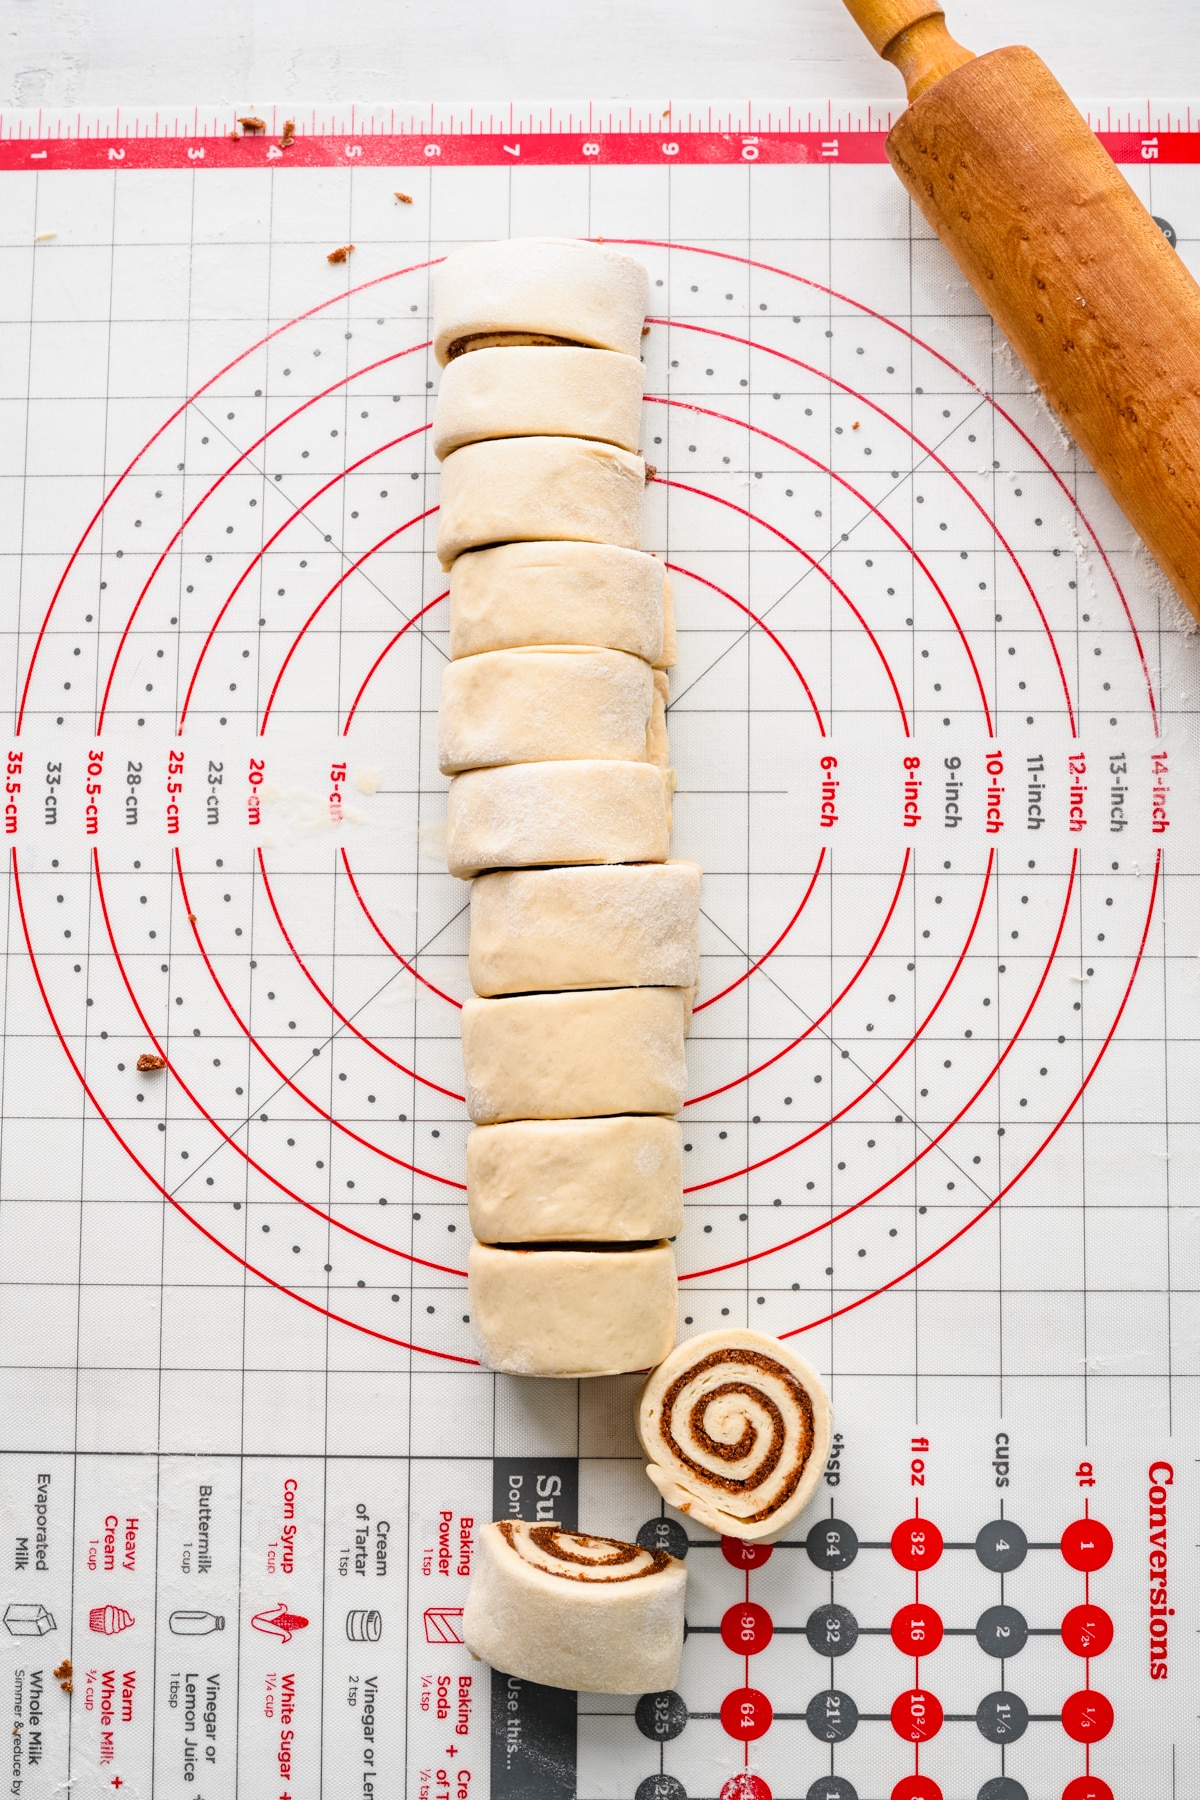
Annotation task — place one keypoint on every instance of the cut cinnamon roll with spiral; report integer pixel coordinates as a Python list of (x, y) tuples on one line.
[(737, 1428), (570, 1610)]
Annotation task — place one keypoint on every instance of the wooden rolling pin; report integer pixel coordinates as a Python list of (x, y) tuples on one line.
[(1065, 257)]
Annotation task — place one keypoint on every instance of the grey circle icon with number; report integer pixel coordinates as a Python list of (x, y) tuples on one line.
[(660, 1787), (1001, 1631), (1002, 1787), (832, 1787), (663, 1534), (832, 1544), (1167, 229), (831, 1630), (661, 1717), (1001, 1546), (1002, 1717), (831, 1716)]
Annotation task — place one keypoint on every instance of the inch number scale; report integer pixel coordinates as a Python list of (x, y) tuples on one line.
[(548, 137)]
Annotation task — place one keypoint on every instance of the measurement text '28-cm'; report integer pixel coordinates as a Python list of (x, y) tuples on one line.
[(1076, 790)]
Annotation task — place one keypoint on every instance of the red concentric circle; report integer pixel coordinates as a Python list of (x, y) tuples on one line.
[(737, 1058)]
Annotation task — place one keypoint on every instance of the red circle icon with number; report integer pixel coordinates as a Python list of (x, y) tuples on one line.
[(746, 1714), (746, 1629), (916, 1787), (1087, 1716), (917, 1715), (916, 1630), (1087, 1630), (1087, 1545), (746, 1787), (743, 1555), (916, 1544), (1087, 1787)]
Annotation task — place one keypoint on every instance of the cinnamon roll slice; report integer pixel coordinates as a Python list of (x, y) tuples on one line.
[(547, 291), (613, 925), (737, 1428), (537, 392), (558, 592), (570, 1610), (548, 703), (530, 815), (573, 1310), (536, 488)]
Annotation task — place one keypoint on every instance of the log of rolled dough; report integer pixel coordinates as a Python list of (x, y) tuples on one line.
[(592, 1180), (737, 1428), (575, 1055), (622, 925), (524, 392), (557, 593), (532, 814), (570, 1610), (568, 1313), (539, 487), (553, 287), (561, 703)]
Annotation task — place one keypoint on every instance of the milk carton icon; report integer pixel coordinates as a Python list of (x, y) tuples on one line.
[(26, 1618)]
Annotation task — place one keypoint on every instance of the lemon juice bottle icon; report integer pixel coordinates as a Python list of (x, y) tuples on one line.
[(195, 1624)]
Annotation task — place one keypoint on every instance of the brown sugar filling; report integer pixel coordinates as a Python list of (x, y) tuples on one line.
[(502, 340), (547, 1538), (732, 1452)]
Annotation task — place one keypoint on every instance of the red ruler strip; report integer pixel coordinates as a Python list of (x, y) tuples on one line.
[(498, 151)]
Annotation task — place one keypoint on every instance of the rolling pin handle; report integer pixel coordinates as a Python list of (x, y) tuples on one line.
[(912, 35)]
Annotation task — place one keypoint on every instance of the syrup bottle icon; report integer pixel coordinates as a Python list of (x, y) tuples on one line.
[(195, 1624)]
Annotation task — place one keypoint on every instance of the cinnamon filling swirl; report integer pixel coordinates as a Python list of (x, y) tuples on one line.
[(732, 1430), (578, 1556)]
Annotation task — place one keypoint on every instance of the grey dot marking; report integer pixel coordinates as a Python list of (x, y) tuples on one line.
[(663, 1534), (831, 1630), (1002, 1787), (831, 1716), (832, 1544), (1002, 1718), (1001, 1631), (660, 1787), (661, 1717), (1001, 1546)]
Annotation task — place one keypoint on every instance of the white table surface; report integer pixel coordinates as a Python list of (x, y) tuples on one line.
[(249, 52)]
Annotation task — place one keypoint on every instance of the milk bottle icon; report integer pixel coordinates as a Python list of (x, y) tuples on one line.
[(195, 1624)]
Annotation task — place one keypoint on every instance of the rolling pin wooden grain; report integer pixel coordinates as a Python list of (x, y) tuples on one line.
[(1065, 257)]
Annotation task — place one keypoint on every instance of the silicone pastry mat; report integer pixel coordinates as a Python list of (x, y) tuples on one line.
[(931, 722)]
